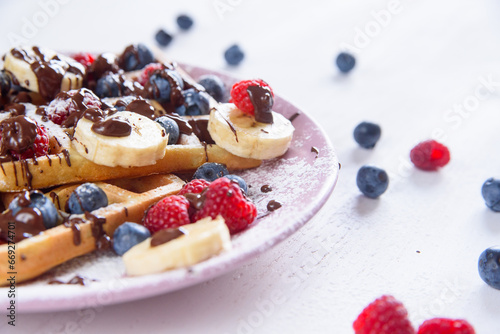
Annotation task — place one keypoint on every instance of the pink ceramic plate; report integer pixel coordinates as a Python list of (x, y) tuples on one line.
[(301, 181)]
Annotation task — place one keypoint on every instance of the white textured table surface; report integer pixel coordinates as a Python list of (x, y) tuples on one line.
[(425, 69)]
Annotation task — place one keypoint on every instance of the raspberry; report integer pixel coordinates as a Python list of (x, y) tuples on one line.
[(195, 186), (40, 146), (67, 103), (170, 212), (35, 145), (430, 155), (385, 315), (84, 58), (148, 70), (240, 97), (224, 197), (445, 326)]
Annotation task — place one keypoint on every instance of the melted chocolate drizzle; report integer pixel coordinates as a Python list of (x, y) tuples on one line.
[(262, 100)]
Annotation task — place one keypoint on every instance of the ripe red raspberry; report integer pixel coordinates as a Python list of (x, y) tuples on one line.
[(430, 155), (195, 186), (66, 103), (385, 315), (240, 97), (84, 58), (148, 70), (445, 326), (170, 212), (224, 197), (39, 147)]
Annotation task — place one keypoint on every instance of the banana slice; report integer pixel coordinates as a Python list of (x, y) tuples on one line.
[(44, 71), (197, 242), (143, 146), (241, 135)]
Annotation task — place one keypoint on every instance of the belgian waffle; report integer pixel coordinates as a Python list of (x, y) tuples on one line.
[(81, 234)]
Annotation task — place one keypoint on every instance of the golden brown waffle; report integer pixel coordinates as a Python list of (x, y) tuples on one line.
[(81, 234), (70, 167)]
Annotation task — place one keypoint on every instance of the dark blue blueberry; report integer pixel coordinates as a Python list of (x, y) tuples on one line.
[(197, 103), (234, 55), (181, 110), (184, 22), (87, 197), (210, 171), (170, 127), (491, 194), (489, 266), (367, 134), (5, 83), (160, 87), (372, 181), (163, 38), (107, 86), (136, 57), (40, 202), (214, 86), (239, 179), (127, 235), (345, 62)]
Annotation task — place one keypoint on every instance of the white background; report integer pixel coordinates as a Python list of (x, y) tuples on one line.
[(421, 67)]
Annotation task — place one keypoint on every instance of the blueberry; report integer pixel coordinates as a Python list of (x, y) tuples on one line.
[(197, 103), (491, 194), (160, 87), (210, 171), (372, 181), (163, 38), (367, 134), (5, 83), (234, 55), (345, 62), (87, 197), (136, 57), (40, 202), (181, 110), (239, 179), (184, 22), (170, 127), (489, 266), (107, 86), (127, 235), (177, 78), (214, 86)]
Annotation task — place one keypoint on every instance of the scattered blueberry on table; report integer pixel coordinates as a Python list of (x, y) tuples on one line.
[(345, 62), (372, 181), (163, 38), (489, 266), (87, 197), (234, 55), (367, 134), (491, 194), (128, 235), (184, 22)]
